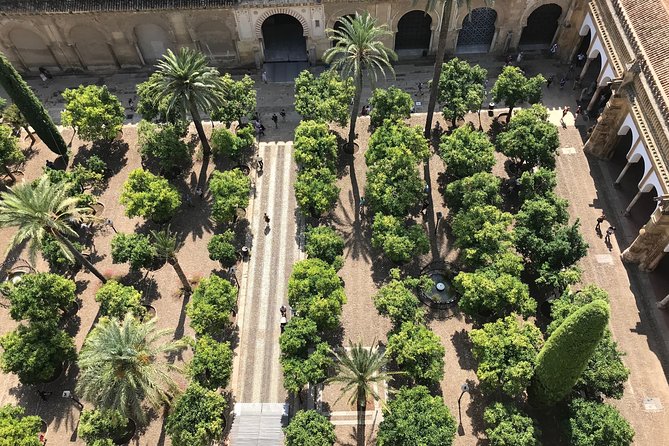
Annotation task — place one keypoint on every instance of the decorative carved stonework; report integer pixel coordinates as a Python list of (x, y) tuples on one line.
[(648, 248)]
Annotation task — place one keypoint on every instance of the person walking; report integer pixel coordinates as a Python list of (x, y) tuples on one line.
[(519, 59), (283, 114), (263, 76), (598, 226), (266, 218), (554, 49), (549, 81), (578, 111), (420, 89), (609, 233), (276, 120), (563, 81), (564, 113)]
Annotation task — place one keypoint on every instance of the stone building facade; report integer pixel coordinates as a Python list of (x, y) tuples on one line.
[(624, 43), (627, 43), (98, 35)]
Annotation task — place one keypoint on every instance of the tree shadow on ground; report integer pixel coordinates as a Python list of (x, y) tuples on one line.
[(113, 154), (463, 348), (475, 407)]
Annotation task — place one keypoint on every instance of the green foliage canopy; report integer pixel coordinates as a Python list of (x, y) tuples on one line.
[(41, 297), (116, 300), (324, 243), (316, 292), (95, 113), (506, 426), (309, 428), (460, 88), (164, 144), (325, 98), (513, 87), (238, 99), (393, 135), (196, 418), (221, 248), (506, 350), (398, 242), (416, 418), (391, 103), (211, 365), (530, 139), (17, 429), (418, 352), (35, 352), (567, 351), (596, 424), (211, 305), (316, 191), (135, 249), (230, 190), (490, 292), (466, 151), (480, 189), (147, 195)]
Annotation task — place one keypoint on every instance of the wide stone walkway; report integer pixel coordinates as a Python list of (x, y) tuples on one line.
[(257, 384)]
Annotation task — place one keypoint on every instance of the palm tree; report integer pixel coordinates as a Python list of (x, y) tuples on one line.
[(357, 369), (120, 367), (357, 47), (446, 7), (189, 85), (41, 209), (166, 247)]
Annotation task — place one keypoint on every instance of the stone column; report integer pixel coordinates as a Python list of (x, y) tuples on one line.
[(585, 67), (632, 203), (648, 248), (622, 174), (595, 98)]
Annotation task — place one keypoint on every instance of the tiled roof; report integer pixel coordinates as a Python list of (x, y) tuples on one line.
[(646, 23)]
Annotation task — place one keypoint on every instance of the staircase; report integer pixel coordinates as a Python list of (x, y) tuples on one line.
[(258, 424)]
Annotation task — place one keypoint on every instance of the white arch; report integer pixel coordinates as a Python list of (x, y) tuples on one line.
[(650, 182), (639, 152), (629, 124), (588, 25), (606, 75), (306, 32)]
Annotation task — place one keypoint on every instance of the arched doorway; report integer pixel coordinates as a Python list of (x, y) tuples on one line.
[(283, 39), (541, 27), (32, 49), (91, 46), (478, 30), (153, 41), (339, 25), (413, 34)]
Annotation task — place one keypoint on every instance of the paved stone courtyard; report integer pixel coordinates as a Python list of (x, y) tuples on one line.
[(641, 330)]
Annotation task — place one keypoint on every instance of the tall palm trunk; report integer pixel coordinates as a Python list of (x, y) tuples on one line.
[(354, 109), (80, 257), (197, 120), (438, 63), (180, 272), (362, 406)]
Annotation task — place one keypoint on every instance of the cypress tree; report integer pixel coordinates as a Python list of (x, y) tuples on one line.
[(31, 107), (567, 351)]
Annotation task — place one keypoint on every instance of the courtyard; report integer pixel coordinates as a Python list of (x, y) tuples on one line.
[(641, 330)]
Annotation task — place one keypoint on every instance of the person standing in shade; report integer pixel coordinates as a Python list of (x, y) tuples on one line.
[(519, 59), (263, 76), (283, 114), (563, 81), (549, 81), (275, 118), (609, 233), (554, 49)]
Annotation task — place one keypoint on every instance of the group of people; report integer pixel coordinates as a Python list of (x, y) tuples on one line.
[(609, 232)]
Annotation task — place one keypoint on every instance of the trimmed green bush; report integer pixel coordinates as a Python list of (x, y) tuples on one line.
[(230, 190), (398, 242), (398, 301), (567, 351), (116, 300), (31, 107), (309, 428), (149, 196), (326, 244), (135, 249), (18, 429), (211, 305), (95, 113), (391, 103), (393, 135), (418, 352), (221, 249), (41, 297), (478, 190), (315, 146), (508, 426), (466, 151), (101, 427), (196, 418), (211, 365), (596, 424)]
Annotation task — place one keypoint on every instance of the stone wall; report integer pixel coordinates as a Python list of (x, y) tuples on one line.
[(231, 35)]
